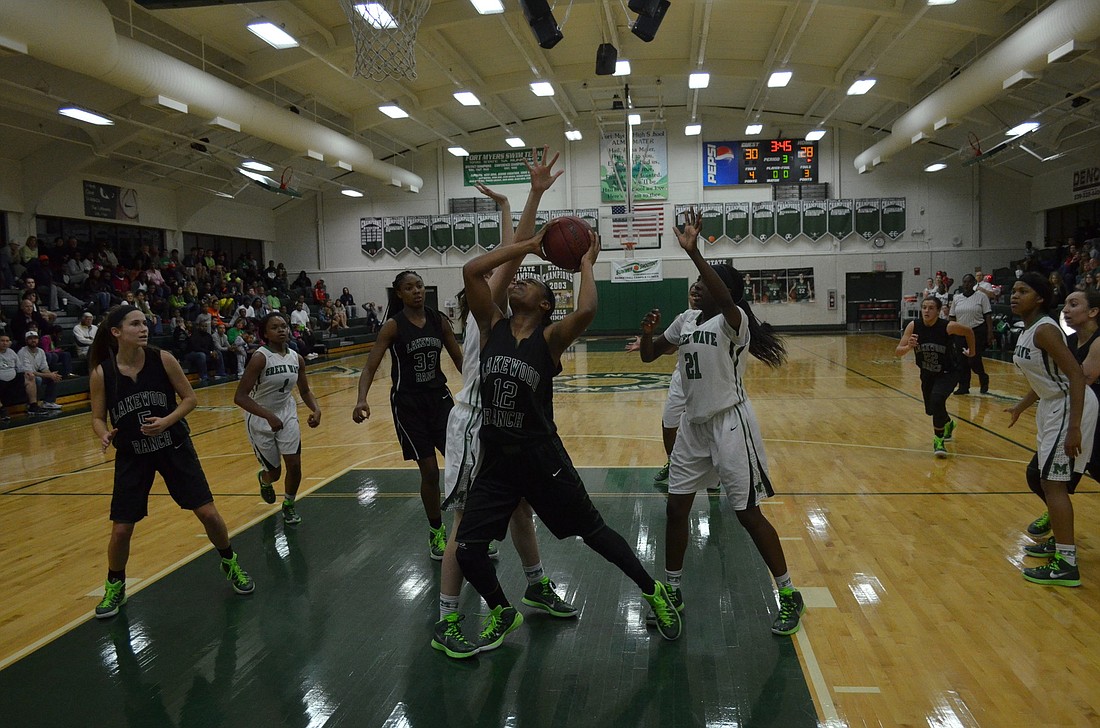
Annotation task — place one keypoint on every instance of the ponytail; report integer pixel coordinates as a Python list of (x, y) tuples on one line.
[(764, 343), (104, 346)]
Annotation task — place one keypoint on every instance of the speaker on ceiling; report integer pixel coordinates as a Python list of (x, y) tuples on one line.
[(541, 20), (606, 55), (645, 27), (644, 7)]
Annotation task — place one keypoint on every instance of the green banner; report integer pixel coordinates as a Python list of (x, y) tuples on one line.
[(649, 175), (465, 230), (488, 231), (737, 221), (442, 230), (815, 219), (763, 220), (893, 217), (788, 219), (419, 233), (841, 220), (868, 218), (504, 167), (590, 215), (370, 235), (714, 221), (393, 235)]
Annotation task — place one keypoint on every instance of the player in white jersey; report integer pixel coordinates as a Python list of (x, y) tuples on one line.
[(266, 394), (718, 434), (463, 451), (1065, 421)]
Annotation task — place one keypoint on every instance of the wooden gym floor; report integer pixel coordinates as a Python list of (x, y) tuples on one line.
[(917, 614)]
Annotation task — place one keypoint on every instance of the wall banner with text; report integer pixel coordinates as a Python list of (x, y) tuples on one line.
[(650, 172), (638, 270), (503, 167)]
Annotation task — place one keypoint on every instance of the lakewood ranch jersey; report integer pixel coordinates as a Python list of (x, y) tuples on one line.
[(712, 361), (517, 387), (274, 388), (935, 350), (130, 403), (415, 354), (1080, 353), (1042, 373)]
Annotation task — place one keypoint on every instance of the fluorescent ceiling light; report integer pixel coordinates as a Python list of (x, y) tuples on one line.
[(488, 7), (813, 136), (622, 67), (253, 175), (542, 88), (936, 167), (634, 119), (699, 79), (467, 98), (272, 34), (753, 129), (351, 193), (1021, 129), (458, 151), (861, 86), (573, 135), (941, 2), (515, 142), (376, 15), (86, 116), (393, 111), (258, 166), (779, 79), (693, 129)]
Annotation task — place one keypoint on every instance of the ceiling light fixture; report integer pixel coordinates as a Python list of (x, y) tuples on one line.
[(573, 135), (393, 111), (458, 151), (779, 79), (634, 119), (272, 34), (622, 67), (376, 15), (254, 176), (351, 193), (515, 142), (941, 2), (935, 167), (693, 129), (542, 88), (257, 166), (699, 79), (88, 117), (813, 136), (1021, 129), (467, 98), (488, 7), (861, 86), (753, 129)]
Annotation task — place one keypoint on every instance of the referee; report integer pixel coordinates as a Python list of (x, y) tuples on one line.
[(971, 308)]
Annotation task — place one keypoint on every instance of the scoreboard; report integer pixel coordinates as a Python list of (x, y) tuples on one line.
[(774, 161)]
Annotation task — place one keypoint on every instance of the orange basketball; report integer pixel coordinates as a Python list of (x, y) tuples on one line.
[(710, 238), (566, 241)]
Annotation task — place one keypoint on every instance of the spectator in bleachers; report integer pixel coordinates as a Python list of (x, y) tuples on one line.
[(57, 358), (77, 270), (339, 315), (33, 360), (320, 292), (282, 280), (224, 349), (8, 255), (83, 333), (180, 334), (302, 285), (238, 345), (271, 273), (15, 386), (929, 290), (201, 353), (98, 291), (1058, 291), (259, 308), (302, 328), (26, 319), (985, 285), (105, 257), (349, 302), (29, 251), (1070, 265), (38, 270), (373, 322), (141, 303)]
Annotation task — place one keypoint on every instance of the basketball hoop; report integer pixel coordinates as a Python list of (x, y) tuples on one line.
[(385, 36), (629, 248), (286, 178), (975, 144)]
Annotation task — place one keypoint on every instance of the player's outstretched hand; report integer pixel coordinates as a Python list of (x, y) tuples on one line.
[(490, 193), (649, 323), (541, 171), (689, 236), (634, 344), (361, 412)]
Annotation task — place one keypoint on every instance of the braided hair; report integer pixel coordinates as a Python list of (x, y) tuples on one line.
[(397, 304), (764, 343)]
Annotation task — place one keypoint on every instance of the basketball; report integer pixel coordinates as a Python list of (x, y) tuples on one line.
[(566, 241)]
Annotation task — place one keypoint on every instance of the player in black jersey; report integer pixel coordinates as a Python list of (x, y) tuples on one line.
[(137, 386), (415, 336), (523, 457), (931, 338)]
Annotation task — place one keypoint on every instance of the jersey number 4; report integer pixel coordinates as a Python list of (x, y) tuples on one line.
[(691, 365)]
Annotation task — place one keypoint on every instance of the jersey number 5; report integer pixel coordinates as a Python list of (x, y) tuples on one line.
[(691, 365)]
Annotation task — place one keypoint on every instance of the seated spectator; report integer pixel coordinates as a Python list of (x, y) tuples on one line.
[(16, 387), (1059, 291), (373, 322), (84, 332), (181, 332), (142, 304), (259, 308), (320, 292), (301, 328), (98, 290), (929, 290), (121, 281), (238, 345), (26, 319), (201, 353), (57, 358), (1070, 265), (29, 251), (225, 350), (349, 303), (77, 270), (301, 283), (9, 254), (34, 364), (339, 316)]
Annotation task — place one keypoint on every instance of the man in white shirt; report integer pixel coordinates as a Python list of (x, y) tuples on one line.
[(84, 332), (15, 385), (34, 364), (985, 285)]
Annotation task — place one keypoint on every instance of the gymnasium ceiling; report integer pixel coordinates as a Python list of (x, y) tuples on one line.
[(911, 48)]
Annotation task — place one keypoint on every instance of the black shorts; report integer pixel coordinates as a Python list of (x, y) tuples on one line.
[(14, 391), (542, 473), (420, 419), (937, 386), (182, 473)]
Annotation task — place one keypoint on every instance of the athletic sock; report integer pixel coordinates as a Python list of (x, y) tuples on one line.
[(534, 573), (1068, 553), (447, 604), (783, 581), (435, 524), (673, 577), (288, 499), (227, 552), (116, 575)]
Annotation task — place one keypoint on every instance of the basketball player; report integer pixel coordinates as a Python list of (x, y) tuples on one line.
[(266, 394), (415, 336), (929, 337), (137, 386), (1065, 422), (718, 432), (1080, 311), (522, 455)]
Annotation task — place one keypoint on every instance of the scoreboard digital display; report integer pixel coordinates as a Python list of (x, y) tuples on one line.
[(772, 161)]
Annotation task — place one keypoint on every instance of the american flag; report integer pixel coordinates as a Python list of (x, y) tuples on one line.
[(649, 221)]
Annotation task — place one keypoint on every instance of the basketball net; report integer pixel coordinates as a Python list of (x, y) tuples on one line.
[(385, 36), (286, 178), (629, 248)]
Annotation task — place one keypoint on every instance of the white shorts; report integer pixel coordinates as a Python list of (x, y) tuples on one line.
[(1051, 421), (726, 449), (268, 445), (676, 403), (463, 455)]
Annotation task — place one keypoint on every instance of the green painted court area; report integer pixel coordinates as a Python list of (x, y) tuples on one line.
[(338, 630)]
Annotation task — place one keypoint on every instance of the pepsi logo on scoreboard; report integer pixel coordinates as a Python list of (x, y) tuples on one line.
[(720, 163), (773, 161)]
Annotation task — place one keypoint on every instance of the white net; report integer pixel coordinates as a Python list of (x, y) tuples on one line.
[(385, 36)]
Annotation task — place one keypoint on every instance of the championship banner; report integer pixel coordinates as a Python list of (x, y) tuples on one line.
[(788, 219), (393, 234), (110, 202), (868, 218), (763, 220), (893, 217), (557, 280), (650, 173), (636, 271), (590, 215), (503, 167), (370, 235), (714, 221), (418, 231), (465, 230), (488, 232), (442, 230), (841, 218), (737, 221), (815, 219)]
